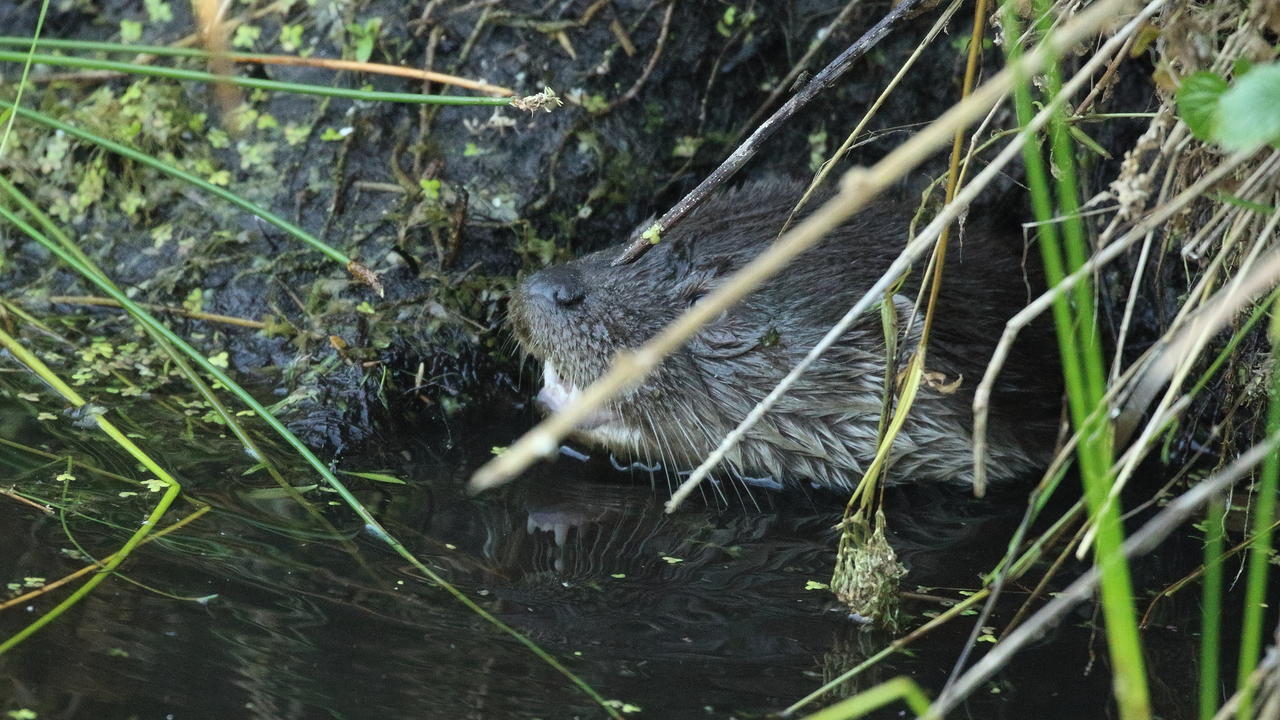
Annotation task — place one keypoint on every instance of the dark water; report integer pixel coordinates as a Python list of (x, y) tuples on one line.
[(314, 618)]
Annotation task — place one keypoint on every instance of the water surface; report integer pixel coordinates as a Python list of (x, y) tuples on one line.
[(262, 610)]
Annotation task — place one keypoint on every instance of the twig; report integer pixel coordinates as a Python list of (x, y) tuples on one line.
[(98, 565), (376, 68), (640, 242), (16, 497), (953, 179), (108, 302), (653, 59)]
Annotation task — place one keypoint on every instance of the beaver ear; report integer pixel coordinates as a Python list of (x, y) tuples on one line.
[(725, 337)]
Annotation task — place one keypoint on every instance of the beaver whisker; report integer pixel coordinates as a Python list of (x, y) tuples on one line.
[(672, 467), (664, 458), (694, 451)]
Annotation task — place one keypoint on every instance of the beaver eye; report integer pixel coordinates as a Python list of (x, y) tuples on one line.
[(695, 295)]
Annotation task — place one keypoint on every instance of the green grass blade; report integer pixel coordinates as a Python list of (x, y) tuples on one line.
[(1255, 594), (1084, 375), (26, 357), (31, 43), (1211, 612), (873, 698)]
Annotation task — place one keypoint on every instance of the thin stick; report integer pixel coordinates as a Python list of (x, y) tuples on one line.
[(377, 68), (653, 61), (108, 302)]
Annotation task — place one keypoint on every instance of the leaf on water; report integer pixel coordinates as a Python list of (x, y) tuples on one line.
[(375, 476)]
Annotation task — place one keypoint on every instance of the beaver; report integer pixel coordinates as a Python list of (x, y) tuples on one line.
[(574, 317)]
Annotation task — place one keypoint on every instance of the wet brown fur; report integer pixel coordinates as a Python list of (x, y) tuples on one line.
[(825, 429)]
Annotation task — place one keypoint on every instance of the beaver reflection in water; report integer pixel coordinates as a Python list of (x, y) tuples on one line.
[(574, 317)]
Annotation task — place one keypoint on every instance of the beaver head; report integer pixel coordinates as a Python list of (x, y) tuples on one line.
[(575, 317)]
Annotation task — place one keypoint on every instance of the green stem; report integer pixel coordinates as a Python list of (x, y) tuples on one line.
[(1255, 594), (256, 83), (1084, 375), (873, 698), (1211, 611)]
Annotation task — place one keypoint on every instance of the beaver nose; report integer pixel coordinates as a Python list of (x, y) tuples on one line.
[(559, 286)]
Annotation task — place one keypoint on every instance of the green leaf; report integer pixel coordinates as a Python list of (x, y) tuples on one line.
[(1240, 202), (365, 37), (1083, 138), (158, 11), (1198, 98), (130, 31), (374, 476), (1249, 112), (246, 36)]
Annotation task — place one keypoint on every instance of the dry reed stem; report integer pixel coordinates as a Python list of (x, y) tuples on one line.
[(181, 312), (377, 69), (226, 25), (213, 35)]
